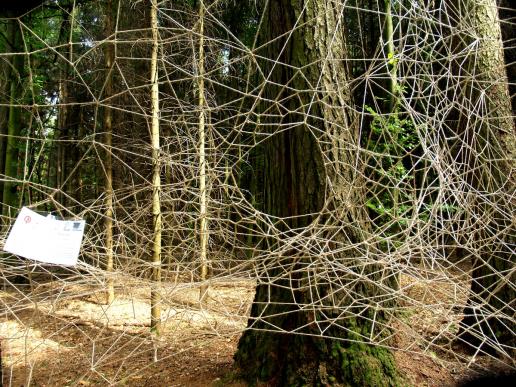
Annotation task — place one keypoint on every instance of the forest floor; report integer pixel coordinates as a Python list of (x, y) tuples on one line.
[(79, 341)]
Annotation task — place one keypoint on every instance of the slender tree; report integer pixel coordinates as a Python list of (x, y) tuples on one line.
[(507, 13), (64, 133), (7, 35), (309, 182), (14, 125), (391, 63), (202, 158), (156, 177), (109, 53)]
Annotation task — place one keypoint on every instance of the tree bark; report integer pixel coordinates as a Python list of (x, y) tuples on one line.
[(488, 324), (203, 232), (6, 90), (391, 62), (507, 13), (317, 305), (64, 133), (156, 178), (108, 130), (14, 123)]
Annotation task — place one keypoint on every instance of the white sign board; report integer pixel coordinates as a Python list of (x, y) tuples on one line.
[(45, 239)]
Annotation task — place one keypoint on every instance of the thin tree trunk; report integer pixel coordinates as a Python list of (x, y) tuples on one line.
[(80, 152), (392, 98), (64, 131), (507, 15), (14, 123), (202, 160), (6, 90), (108, 130), (72, 161), (156, 179), (391, 62)]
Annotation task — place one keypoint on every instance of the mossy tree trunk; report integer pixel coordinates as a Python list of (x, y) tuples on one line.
[(326, 294), (489, 317)]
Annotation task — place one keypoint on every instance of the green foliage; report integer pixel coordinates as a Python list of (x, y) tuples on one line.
[(392, 137), (393, 141)]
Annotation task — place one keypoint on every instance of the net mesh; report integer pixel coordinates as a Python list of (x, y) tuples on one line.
[(429, 175)]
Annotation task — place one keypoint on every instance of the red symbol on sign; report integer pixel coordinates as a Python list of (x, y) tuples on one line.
[(27, 219)]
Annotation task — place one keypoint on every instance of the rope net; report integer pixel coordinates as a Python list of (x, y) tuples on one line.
[(400, 142)]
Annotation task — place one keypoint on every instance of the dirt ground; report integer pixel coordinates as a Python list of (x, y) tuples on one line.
[(64, 335)]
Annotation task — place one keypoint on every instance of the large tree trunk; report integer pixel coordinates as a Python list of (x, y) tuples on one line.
[(489, 317), (320, 298)]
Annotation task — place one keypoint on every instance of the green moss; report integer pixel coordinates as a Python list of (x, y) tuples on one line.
[(365, 365)]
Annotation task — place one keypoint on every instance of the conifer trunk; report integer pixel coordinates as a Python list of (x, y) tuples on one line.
[(391, 62), (6, 91), (156, 178), (63, 134), (108, 164), (310, 181), (14, 123), (489, 317), (203, 232)]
